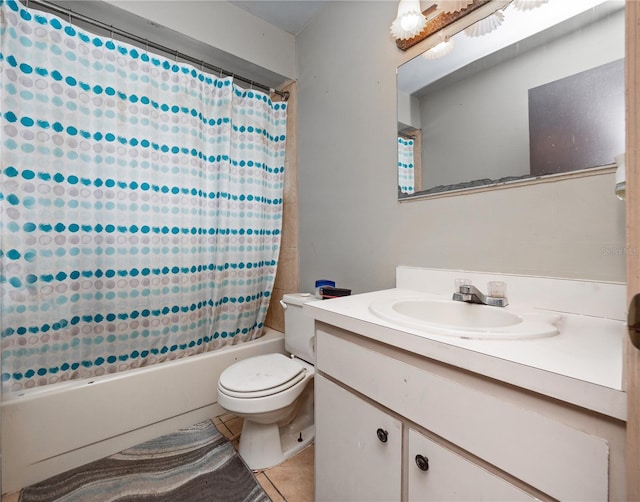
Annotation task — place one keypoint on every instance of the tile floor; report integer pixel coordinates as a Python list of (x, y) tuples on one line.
[(291, 481), (12, 497)]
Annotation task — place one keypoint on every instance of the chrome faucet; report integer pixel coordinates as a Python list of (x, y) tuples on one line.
[(471, 294)]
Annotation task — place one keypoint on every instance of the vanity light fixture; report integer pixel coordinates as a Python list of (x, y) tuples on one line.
[(410, 20), (486, 25), (443, 13), (434, 18)]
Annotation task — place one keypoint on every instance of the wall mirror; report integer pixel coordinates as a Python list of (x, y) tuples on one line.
[(522, 96)]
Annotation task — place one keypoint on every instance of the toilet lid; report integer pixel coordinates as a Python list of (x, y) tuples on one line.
[(263, 375)]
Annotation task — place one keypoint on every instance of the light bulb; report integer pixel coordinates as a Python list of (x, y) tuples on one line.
[(410, 22)]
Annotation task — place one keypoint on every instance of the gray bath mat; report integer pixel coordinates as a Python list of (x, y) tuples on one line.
[(194, 464)]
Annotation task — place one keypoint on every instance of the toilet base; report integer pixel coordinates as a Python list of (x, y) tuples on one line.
[(266, 445)]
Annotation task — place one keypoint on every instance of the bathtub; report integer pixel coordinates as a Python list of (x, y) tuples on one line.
[(48, 430)]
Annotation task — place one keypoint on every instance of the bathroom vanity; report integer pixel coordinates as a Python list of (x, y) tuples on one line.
[(407, 414)]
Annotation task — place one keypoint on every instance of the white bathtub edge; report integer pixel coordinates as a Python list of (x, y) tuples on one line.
[(46, 433)]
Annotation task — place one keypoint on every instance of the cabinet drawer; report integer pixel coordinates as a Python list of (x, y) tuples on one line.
[(449, 476), (559, 460)]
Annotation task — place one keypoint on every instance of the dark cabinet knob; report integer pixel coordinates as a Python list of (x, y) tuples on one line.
[(422, 462), (382, 435)]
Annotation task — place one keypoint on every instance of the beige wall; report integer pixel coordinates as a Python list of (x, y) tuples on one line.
[(352, 228), (287, 276)]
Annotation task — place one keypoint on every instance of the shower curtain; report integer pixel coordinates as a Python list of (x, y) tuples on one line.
[(405, 165), (141, 204)]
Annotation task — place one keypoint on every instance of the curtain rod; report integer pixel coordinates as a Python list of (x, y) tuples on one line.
[(148, 43)]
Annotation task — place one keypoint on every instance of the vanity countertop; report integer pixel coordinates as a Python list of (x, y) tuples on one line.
[(582, 365)]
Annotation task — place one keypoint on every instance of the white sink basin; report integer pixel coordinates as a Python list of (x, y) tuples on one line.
[(465, 320)]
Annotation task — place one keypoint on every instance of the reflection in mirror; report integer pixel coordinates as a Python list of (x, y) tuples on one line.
[(409, 160), (542, 95)]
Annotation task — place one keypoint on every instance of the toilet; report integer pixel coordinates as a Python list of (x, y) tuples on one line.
[(273, 393)]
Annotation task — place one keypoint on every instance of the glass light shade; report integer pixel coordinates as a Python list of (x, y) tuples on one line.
[(486, 25), (409, 22), (452, 5)]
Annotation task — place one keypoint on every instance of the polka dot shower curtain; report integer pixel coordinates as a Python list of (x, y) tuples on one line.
[(141, 204), (405, 165)]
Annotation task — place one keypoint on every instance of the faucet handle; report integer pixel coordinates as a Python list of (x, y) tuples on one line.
[(461, 282), (497, 289)]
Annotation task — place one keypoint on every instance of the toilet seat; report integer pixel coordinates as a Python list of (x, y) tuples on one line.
[(261, 376)]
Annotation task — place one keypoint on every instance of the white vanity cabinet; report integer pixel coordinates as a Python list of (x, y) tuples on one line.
[(360, 449), (481, 439)]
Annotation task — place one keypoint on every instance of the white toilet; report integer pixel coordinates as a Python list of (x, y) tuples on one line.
[(274, 393)]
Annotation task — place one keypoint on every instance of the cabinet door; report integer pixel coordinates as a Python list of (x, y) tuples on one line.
[(358, 447), (440, 475)]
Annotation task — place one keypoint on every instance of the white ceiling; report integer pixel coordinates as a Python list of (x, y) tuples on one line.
[(289, 15)]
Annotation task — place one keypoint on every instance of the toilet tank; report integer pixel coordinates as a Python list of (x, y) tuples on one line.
[(298, 328)]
